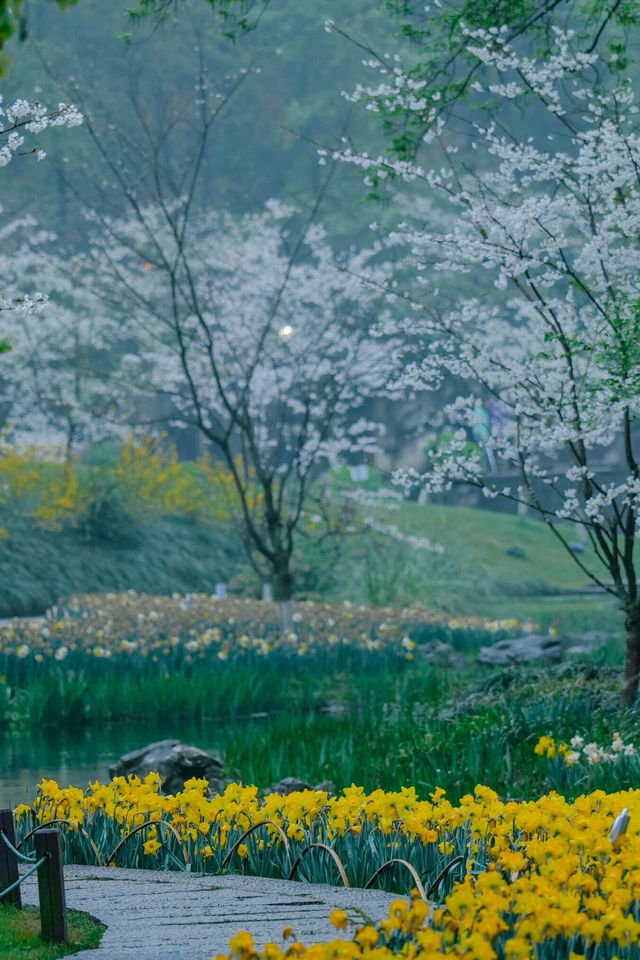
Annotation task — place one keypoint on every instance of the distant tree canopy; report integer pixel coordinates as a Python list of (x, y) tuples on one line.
[(439, 34), (12, 18), (239, 16)]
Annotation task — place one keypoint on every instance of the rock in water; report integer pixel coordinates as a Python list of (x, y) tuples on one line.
[(292, 785), (534, 646), (175, 762)]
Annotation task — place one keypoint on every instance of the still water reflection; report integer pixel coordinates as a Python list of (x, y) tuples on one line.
[(78, 756)]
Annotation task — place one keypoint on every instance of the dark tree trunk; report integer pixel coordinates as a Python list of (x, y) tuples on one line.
[(283, 590), (283, 583), (632, 663)]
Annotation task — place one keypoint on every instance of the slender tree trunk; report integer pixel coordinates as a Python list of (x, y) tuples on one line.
[(283, 590), (632, 663), (71, 432)]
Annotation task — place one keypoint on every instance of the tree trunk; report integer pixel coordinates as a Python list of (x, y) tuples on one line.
[(283, 589), (283, 582), (632, 663)]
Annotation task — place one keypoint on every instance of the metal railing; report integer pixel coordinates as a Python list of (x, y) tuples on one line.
[(48, 864)]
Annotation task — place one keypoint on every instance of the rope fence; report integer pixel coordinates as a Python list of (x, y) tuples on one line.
[(14, 850), (20, 880), (48, 864)]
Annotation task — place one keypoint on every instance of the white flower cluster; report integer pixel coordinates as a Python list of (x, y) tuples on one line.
[(24, 304), (391, 530), (595, 754), (31, 117), (56, 384)]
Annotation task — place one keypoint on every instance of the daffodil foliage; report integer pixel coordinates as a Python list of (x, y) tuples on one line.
[(521, 274), (545, 878)]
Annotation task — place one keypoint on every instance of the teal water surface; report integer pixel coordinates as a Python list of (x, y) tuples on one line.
[(81, 755)]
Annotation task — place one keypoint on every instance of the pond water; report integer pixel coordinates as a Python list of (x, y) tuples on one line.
[(80, 755)]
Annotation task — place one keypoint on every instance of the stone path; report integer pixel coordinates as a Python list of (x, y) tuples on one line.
[(184, 916)]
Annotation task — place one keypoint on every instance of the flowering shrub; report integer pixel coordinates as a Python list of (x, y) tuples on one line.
[(147, 477)]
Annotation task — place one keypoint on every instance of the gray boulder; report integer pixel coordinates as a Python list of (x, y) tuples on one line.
[(292, 785), (534, 646), (440, 654), (587, 642), (175, 762)]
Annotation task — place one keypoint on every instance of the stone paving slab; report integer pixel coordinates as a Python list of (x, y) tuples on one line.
[(187, 916)]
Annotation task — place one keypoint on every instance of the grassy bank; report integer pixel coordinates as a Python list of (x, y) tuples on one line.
[(391, 728), (20, 935), (426, 730), (493, 564), (38, 566)]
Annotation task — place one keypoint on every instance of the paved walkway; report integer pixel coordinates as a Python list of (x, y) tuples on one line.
[(183, 916)]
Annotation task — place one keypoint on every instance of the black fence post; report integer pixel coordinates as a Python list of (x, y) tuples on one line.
[(8, 860), (53, 911)]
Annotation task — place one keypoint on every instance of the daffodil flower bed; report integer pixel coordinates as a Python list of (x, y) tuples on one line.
[(546, 878), (241, 830), (130, 657), (141, 626), (485, 918)]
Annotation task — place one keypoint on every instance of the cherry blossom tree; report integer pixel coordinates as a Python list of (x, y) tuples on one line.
[(435, 42), (20, 122), (21, 297), (61, 387), (257, 334), (524, 282)]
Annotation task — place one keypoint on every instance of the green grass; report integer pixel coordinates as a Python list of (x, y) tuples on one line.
[(20, 935), (477, 573), (428, 729)]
